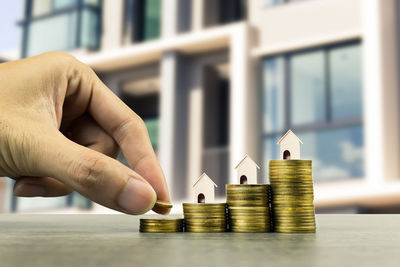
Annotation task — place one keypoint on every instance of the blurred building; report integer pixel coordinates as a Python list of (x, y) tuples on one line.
[(217, 79)]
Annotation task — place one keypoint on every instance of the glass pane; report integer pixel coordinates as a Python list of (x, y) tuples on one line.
[(307, 82), (216, 163), (40, 7), (63, 3), (336, 153), (345, 81), (92, 2), (89, 33), (152, 19), (128, 21), (56, 33), (80, 201), (271, 151), (42, 203), (273, 94), (274, 2), (152, 127)]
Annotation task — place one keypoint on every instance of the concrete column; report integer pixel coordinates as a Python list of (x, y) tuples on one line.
[(173, 124), (381, 100), (169, 18), (112, 24), (389, 21), (197, 15), (244, 121), (195, 146)]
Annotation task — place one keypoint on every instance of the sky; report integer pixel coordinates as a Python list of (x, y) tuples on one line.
[(10, 13)]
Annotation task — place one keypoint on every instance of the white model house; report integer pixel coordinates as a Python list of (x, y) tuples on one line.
[(204, 189), (246, 171), (289, 146)]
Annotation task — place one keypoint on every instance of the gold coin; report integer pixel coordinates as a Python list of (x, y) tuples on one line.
[(292, 186), (203, 205), (283, 199), (249, 197), (291, 181), (248, 213), (161, 225), (299, 215), (291, 161), (303, 171), (161, 204), (249, 208), (294, 219), (289, 197), (247, 186), (288, 231), (249, 203), (205, 221), (294, 228)]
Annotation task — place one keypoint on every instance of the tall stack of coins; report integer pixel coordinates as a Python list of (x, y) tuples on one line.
[(292, 196), (161, 225), (248, 207), (205, 217)]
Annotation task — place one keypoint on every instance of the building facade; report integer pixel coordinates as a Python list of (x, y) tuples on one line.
[(215, 80)]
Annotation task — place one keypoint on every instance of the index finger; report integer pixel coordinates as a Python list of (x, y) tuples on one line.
[(130, 132)]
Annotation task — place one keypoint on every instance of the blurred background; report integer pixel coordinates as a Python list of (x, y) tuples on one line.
[(217, 79)]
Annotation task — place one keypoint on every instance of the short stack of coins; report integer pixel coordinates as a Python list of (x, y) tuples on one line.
[(160, 225), (292, 196), (205, 217), (248, 207)]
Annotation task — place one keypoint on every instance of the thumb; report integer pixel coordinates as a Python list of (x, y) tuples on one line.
[(96, 176)]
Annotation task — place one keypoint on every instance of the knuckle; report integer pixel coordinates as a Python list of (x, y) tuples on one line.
[(125, 128), (17, 156), (63, 62), (61, 56), (88, 172)]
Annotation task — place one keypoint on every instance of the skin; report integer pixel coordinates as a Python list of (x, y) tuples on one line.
[(61, 129)]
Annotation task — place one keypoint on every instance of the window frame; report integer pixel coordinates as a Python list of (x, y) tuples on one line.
[(79, 7), (134, 21), (284, 2), (328, 122)]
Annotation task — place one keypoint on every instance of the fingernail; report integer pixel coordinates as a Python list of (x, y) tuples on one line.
[(29, 190), (137, 197)]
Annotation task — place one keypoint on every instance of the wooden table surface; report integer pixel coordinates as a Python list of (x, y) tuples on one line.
[(114, 240)]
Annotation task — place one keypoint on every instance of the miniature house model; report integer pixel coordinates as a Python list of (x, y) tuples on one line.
[(204, 189), (289, 146), (246, 171)]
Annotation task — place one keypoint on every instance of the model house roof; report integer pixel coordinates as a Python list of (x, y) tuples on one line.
[(204, 175), (246, 156), (286, 134)]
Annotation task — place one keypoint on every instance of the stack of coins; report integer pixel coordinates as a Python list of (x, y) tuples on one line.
[(161, 225), (292, 196), (205, 217), (248, 207)]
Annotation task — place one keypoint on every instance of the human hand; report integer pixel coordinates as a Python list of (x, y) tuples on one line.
[(60, 130)]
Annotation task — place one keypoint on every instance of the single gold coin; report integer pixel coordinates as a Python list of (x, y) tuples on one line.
[(290, 161), (162, 204)]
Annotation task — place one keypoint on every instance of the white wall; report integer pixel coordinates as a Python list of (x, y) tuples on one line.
[(305, 21)]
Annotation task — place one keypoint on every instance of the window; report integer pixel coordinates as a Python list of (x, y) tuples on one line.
[(143, 96), (217, 12), (279, 2), (142, 20), (318, 94), (51, 25), (215, 133)]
